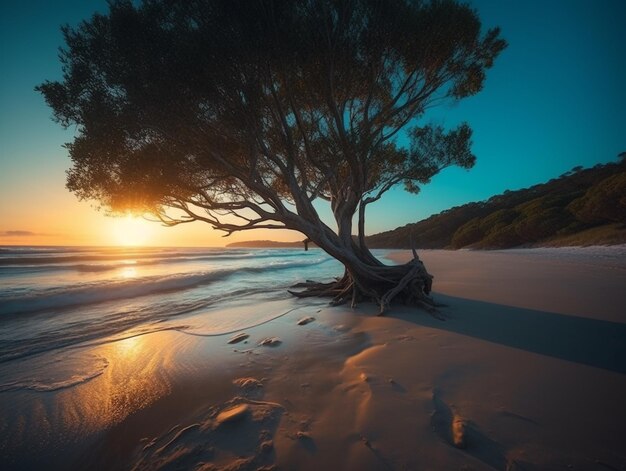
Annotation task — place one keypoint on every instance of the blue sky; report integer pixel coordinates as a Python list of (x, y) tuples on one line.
[(555, 99)]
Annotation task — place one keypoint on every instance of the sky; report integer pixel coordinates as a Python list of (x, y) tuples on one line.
[(555, 99)]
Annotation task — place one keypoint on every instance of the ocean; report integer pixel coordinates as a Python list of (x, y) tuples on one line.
[(54, 300)]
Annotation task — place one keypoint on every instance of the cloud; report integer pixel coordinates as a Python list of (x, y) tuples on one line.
[(18, 234)]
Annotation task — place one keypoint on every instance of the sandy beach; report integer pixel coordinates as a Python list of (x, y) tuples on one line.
[(526, 372)]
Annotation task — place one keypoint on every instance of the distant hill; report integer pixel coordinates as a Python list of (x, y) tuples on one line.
[(585, 206), (581, 207), (266, 244)]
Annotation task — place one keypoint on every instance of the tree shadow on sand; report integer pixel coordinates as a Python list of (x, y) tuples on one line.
[(583, 340)]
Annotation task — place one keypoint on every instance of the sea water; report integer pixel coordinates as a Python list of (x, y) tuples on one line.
[(54, 300)]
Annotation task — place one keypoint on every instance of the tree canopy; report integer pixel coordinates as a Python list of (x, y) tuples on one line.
[(243, 114)]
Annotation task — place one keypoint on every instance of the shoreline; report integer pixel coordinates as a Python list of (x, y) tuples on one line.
[(536, 379)]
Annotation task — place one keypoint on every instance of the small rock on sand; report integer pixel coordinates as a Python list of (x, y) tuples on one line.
[(458, 432), (266, 446), (238, 338), (233, 414), (303, 435), (306, 320), (248, 383), (270, 342)]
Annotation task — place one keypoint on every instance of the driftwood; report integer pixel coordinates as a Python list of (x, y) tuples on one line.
[(409, 283)]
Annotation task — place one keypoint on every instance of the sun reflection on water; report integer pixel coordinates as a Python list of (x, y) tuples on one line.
[(129, 347), (129, 273), (136, 376)]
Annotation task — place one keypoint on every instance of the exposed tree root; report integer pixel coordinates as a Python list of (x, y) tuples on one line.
[(409, 283)]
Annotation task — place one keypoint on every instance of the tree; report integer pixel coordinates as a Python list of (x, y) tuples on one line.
[(602, 203), (248, 114)]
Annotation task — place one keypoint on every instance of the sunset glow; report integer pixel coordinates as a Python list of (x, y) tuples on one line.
[(132, 231)]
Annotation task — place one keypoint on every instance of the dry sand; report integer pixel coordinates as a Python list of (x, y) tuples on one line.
[(527, 372)]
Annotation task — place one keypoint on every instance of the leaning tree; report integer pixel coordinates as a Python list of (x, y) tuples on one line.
[(251, 114)]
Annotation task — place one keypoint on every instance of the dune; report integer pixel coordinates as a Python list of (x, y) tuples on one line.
[(526, 371)]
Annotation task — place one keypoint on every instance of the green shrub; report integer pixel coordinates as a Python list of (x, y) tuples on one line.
[(501, 238), (542, 224), (468, 234), (497, 220), (603, 202)]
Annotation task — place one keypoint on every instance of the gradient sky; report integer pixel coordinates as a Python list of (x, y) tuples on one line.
[(555, 99)]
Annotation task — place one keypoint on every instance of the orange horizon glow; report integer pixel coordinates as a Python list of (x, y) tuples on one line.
[(49, 215), (80, 226)]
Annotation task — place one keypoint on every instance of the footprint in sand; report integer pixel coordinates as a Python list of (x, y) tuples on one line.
[(465, 435), (240, 424), (232, 415), (249, 387)]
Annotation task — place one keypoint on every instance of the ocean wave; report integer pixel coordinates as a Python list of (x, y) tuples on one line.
[(125, 262), (93, 329), (57, 371), (43, 249), (108, 290), (100, 256)]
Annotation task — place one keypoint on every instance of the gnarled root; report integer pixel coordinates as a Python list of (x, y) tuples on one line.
[(409, 283)]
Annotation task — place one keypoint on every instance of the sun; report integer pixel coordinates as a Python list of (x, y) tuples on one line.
[(131, 231)]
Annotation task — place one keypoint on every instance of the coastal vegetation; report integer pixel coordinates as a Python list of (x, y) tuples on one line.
[(584, 206)]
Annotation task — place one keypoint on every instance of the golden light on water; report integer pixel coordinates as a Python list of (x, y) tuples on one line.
[(129, 347), (136, 375), (131, 231), (129, 272)]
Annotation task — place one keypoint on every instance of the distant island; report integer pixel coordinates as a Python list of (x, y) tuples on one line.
[(585, 206)]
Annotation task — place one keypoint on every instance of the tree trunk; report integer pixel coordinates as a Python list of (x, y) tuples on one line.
[(367, 279)]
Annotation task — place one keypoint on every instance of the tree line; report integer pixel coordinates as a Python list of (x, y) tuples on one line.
[(577, 201)]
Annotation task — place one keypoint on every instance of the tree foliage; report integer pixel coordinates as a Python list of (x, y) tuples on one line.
[(604, 201), (243, 114)]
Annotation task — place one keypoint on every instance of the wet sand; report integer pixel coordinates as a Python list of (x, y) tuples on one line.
[(527, 372)]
